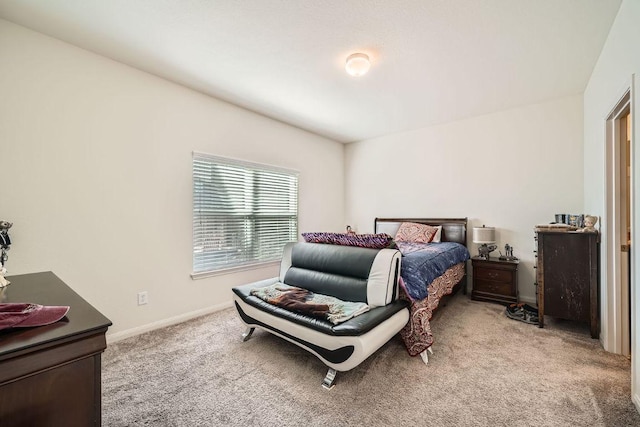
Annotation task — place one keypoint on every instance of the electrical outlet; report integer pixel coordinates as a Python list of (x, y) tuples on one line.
[(143, 298)]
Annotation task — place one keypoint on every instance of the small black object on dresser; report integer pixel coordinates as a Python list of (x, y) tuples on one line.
[(495, 280), (567, 275)]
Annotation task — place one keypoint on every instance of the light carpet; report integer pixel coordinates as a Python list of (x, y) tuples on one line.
[(487, 370)]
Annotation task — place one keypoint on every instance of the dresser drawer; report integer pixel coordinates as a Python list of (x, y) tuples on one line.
[(489, 286), (495, 280), (494, 274)]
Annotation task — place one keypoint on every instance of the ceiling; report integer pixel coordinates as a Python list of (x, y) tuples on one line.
[(433, 61)]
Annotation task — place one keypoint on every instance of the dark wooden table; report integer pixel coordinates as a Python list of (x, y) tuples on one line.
[(51, 375)]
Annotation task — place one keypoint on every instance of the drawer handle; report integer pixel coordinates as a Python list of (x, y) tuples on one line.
[(492, 275)]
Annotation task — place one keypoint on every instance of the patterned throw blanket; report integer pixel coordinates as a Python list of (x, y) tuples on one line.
[(309, 303), (422, 263)]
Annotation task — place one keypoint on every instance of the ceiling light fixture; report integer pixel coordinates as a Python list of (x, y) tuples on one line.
[(357, 64)]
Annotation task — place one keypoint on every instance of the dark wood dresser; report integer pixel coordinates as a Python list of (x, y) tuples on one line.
[(567, 274), (51, 375), (495, 280)]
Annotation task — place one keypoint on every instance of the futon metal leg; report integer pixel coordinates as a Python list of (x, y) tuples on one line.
[(329, 380), (425, 356), (247, 333)]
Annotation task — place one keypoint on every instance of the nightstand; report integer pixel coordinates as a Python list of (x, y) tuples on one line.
[(495, 280)]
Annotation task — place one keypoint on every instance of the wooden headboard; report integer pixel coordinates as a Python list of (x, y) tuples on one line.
[(453, 229)]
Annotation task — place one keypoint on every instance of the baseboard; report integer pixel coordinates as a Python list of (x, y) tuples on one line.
[(526, 300), (636, 401), (111, 338)]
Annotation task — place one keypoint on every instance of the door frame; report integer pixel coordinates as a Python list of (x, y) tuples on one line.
[(614, 318)]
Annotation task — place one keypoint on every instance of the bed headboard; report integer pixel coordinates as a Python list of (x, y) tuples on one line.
[(453, 229)]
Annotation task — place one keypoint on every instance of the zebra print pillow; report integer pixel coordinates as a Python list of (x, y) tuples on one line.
[(374, 241)]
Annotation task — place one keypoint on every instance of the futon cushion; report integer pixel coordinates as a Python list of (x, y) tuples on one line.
[(353, 327), (344, 272)]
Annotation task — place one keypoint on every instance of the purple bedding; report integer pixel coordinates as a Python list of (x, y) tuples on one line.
[(423, 263)]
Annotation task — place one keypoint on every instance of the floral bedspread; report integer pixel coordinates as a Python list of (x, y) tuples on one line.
[(417, 334), (423, 263)]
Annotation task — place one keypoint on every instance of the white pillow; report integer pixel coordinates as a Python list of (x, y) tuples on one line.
[(436, 238)]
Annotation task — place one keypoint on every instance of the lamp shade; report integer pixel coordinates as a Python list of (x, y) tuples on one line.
[(484, 235)]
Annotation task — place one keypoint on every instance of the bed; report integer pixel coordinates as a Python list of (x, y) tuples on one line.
[(426, 292)]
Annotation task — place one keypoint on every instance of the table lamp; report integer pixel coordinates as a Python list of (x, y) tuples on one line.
[(486, 238)]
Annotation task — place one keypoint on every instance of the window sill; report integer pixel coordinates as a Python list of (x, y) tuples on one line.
[(231, 270)]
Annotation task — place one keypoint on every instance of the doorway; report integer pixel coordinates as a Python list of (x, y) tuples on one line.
[(618, 224)]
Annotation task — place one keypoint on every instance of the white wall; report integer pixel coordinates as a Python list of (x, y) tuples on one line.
[(511, 170), (96, 176), (611, 77)]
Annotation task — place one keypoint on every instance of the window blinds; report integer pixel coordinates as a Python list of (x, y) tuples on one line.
[(243, 213)]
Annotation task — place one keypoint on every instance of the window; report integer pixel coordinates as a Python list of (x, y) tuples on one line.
[(243, 213)]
